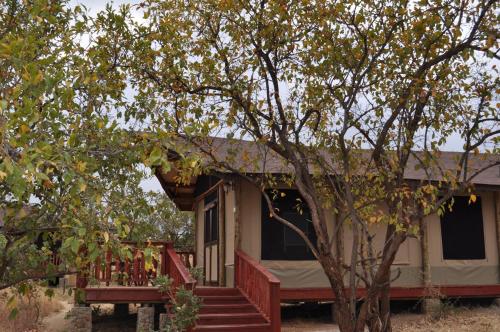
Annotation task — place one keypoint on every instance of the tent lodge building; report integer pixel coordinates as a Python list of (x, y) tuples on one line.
[(232, 217)]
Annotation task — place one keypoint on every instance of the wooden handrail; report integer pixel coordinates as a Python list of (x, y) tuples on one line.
[(260, 286), (133, 272), (177, 270)]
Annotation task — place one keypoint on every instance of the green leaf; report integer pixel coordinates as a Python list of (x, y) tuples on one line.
[(75, 245), (13, 313), (155, 156)]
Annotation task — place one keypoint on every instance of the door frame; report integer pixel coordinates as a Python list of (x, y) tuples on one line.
[(218, 202)]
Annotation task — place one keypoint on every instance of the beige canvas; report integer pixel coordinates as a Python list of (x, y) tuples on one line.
[(408, 261)]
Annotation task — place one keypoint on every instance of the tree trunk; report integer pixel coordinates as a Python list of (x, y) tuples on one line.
[(341, 304)]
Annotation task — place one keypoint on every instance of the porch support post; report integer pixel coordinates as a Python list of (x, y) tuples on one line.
[(164, 260), (496, 203), (222, 236), (424, 246), (430, 305), (237, 215)]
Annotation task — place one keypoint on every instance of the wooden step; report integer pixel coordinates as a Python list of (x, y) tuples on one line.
[(230, 318), (227, 308), (234, 328), (224, 299), (211, 291)]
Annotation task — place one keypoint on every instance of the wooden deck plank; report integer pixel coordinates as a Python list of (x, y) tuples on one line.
[(326, 294), (124, 295), (151, 295)]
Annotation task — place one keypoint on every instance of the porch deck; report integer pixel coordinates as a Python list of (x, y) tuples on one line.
[(257, 292), (396, 293), (149, 294)]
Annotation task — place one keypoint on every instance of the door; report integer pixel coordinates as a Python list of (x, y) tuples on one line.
[(211, 239)]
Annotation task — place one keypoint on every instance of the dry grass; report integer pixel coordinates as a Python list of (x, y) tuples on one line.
[(457, 319), (31, 310), (460, 319)]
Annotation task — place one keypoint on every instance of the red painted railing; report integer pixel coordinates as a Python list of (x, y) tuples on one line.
[(177, 270), (126, 272), (133, 272), (187, 257), (260, 286)]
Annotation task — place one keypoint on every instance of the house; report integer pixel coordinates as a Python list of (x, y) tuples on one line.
[(463, 245)]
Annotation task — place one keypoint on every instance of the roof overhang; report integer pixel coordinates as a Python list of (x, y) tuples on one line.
[(182, 194)]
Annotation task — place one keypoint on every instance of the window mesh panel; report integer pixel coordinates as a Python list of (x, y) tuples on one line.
[(280, 242), (462, 230)]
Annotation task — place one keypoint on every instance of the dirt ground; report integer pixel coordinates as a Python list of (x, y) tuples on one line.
[(461, 320), (468, 317), (459, 317), (32, 309)]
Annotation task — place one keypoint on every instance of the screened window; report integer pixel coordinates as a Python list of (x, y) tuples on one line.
[(211, 218), (280, 242), (462, 230)]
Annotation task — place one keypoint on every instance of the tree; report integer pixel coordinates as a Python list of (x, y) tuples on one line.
[(166, 222), (344, 92), (62, 146), (141, 216)]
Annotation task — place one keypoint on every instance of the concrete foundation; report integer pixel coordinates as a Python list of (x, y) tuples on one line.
[(81, 319), (145, 319), (164, 321), (432, 307)]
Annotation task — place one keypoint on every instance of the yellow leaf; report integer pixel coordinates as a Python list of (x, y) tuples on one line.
[(106, 237), (81, 166), (2, 175), (472, 198), (24, 129)]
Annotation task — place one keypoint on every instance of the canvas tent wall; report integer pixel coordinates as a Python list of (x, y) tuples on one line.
[(308, 273), (242, 224)]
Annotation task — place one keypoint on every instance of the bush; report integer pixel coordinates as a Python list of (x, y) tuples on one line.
[(184, 305)]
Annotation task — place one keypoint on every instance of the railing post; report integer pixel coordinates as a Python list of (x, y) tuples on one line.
[(164, 262), (275, 305), (236, 269), (109, 255)]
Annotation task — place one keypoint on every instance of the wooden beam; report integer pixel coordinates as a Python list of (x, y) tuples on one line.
[(222, 236), (237, 214), (208, 191), (424, 250), (124, 295), (407, 293), (151, 294), (496, 203)]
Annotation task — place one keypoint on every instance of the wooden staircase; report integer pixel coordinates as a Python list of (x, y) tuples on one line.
[(227, 309)]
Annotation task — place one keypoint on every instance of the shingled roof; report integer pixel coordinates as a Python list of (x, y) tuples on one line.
[(252, 157)]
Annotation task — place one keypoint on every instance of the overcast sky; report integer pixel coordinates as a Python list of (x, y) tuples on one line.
[(94, 6)]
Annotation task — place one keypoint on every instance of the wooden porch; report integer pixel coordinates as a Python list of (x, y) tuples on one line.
[(253, 304)]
